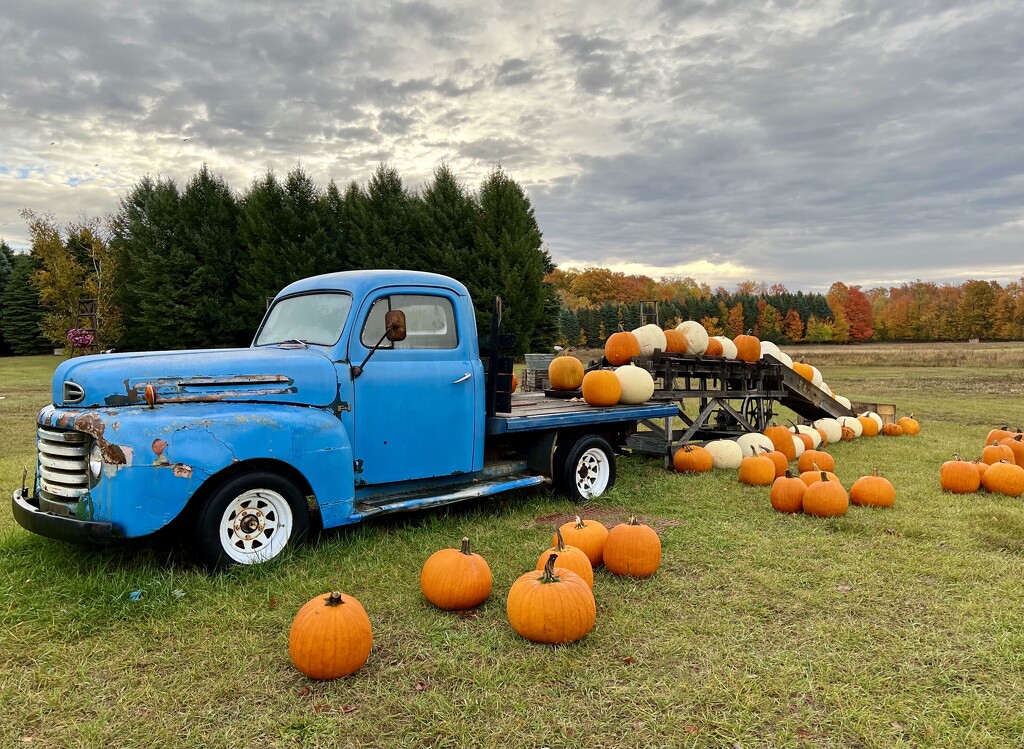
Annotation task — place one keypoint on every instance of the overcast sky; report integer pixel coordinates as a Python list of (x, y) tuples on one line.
[(869, 141)]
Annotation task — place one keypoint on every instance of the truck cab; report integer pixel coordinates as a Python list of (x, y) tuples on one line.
[(362, 393)]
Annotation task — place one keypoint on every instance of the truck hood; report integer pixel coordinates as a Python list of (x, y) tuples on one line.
[(274, 375)]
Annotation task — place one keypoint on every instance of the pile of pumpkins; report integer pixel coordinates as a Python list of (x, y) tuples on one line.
[(629, 384), (331, 635), (999, 470), (763, 459)]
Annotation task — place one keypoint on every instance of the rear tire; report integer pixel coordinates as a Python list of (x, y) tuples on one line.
[(585, 468), (250, 519)]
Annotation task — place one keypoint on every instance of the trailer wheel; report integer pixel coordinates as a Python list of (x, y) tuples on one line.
[(250, 519), (587, 468)]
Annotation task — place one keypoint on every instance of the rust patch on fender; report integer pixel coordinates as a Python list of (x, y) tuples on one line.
[(114, 455), (159, 446), (182, 471), (91, 424)]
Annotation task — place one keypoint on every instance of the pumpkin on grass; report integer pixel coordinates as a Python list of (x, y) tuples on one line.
[(873, 491), (869, 427), (1000, 433), (781, 464), (892, 430), (826, 498), (848, 433), (782, 439), (330, 637), (787, 493), (570, 558), (816, 474), (632, 549), (1016, 445), (587, 535), (565, 372), (816, 460), (621, 347), (1004, 477), (692, 459), (959, 476), (911, 426), (995, 452), (754, 443), (725, 453), (601, 388), (981, 467), (553, 605), (757, 470), (456, 579)]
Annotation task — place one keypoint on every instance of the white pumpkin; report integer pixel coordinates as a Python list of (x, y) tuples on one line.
[(875, 418), (650, 337), (695, 335), (831, 427), (767, 347), (637, 384), (798, 445), (811, 432), (725, 454), (843, 400), (825, 389), (728, 347), (816, 378), (752, 442), (851, 421), (785, 358)]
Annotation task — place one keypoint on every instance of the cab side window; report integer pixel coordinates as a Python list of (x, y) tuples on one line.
[(429, 322)]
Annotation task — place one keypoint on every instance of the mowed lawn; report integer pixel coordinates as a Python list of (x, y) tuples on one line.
[(884, 628)]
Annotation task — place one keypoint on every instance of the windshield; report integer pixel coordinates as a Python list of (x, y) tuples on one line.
[(316, 319)]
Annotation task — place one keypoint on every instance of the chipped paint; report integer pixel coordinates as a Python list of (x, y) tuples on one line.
[(182, 471), (159, 446)]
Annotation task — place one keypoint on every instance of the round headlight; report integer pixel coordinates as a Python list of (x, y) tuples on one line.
[(96, 460)]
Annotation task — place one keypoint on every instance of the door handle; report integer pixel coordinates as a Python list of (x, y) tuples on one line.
[(463, 378)]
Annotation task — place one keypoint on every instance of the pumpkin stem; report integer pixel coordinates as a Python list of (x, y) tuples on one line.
[(633, 520), (549, 575), (824, 476), (334, 599), (790, 474), (465, 546), (580, 525), (874, 472), (956, 457), (561, 542)]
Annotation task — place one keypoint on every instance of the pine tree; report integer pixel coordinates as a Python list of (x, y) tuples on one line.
[(22, 310), (447, 220), (385, 225), (6, 269)]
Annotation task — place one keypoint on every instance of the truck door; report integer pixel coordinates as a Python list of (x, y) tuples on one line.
[(418, 404)]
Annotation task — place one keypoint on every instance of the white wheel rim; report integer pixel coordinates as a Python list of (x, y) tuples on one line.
[(592, 473), (255, 526)]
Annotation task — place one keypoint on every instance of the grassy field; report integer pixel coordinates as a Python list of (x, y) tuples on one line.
[(884, 628)]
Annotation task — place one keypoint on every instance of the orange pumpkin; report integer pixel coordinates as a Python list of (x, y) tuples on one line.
[(456, 579), (330, 637), (959, 476), (675, 341), (910, 425), (553, 605), (621, 347), (981, 467), (757, 470), (872, 491), (999, 434), (848, 434), (588, 535), (781, 464), (995, 452), (824, 437), (565, 373), (892, 430), (515, 383), (748, 348), (869, 427), (570, 558), (807, 440), (692, 459), (826, 498), (601, 388), (1004, 477), (782, 438), (714, 348), (1016, 445), (816, 460), (804, 370), (787, 493), (812, 477), (632, 549)]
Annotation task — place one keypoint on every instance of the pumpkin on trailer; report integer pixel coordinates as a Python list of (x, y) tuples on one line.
[(869, 427), (757, 470), (748, 348), (696, 336), (787, 493), (692, 459), (873, 491), (651, 337), (553, 605), (675, 342), (1016, 445), (565, 373), (911, 427), (781, 464), (826, 498), (621, 347), (843, 400), (601, 388), (782, 440), (995, 452), (330, 637), (816, 460), (728, 347), (456, 579), (587, 535), (632, 549), (804, 370), (635, 383), (725, 453), (959, 476), (515, 383), (1004, 477), (714, 348), (570, 558)]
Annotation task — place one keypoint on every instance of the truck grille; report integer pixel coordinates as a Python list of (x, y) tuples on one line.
[(63, 468)]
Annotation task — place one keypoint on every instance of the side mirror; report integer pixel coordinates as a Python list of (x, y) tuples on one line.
[(394, 325)]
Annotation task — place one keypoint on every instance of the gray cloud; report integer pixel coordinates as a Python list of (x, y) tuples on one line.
[(806, 142)]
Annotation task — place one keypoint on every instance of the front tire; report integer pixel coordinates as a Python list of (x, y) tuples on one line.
[(587, 469), (250, 519)]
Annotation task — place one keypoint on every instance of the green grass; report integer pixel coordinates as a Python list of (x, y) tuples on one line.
[(893, 628)]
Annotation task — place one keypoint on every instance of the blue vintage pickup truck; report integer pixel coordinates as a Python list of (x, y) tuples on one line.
[(363, 393)]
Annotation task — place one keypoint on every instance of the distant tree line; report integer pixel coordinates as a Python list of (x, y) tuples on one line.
[(194, 267)]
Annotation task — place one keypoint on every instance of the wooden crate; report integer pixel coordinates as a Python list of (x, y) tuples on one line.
[(886, 410)]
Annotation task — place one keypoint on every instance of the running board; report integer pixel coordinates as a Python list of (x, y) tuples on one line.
[(473, 491)]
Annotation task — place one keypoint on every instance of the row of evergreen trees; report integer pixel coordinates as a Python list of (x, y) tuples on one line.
[(194, 267)]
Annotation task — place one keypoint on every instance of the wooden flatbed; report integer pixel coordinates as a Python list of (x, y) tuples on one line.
[(535, 412)]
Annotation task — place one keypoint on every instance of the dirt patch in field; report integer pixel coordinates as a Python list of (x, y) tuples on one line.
[(608, 516)]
